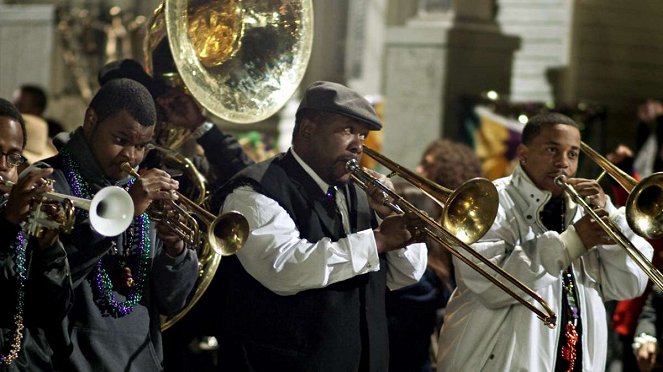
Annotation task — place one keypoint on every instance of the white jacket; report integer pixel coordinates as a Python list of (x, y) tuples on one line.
[(485, 329)]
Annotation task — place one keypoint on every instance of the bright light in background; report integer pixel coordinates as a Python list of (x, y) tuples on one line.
[(492, 95), (523, 119)]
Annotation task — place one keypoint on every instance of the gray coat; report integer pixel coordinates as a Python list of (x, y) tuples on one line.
[(91, 340)]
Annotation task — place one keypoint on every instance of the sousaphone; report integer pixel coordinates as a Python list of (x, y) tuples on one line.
[(240, 59)]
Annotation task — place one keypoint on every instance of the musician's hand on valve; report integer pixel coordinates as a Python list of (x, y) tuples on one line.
[(153, 184), (172, 243), (590, 190), (378, 199), (47, 238), (27, 188), (590, 232), (394, 232), (180, 109)]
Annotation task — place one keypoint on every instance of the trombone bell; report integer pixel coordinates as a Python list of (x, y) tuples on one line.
[(644, 206), (469, 211)]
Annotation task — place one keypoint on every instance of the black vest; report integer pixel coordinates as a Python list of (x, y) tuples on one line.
[(324, 329)]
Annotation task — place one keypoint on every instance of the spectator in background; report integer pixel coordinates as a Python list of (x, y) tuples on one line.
[(412, 312), (32, 100), (646, 160), (38, 146), (648, 331)]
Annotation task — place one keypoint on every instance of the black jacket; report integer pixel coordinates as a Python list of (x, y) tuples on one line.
[(48, 296)]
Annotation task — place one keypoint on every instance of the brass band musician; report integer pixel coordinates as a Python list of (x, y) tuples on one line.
[(545, 240), (307, 290), (34, 273), (121, 283)]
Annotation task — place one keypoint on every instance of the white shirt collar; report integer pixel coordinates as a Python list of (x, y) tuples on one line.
[(324, 186)]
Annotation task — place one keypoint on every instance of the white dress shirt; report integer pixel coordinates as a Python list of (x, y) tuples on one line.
[(282, 261)]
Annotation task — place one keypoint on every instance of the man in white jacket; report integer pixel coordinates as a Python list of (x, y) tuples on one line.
[(545, 240)]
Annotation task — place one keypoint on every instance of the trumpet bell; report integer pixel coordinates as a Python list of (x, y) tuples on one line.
[(111, 211), (644, 207), (229, 232), (471, 209)]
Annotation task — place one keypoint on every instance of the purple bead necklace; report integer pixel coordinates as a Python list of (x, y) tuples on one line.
[(138, 259)]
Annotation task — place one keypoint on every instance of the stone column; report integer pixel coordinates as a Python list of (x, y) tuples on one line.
[(26, 44), (450, 50)]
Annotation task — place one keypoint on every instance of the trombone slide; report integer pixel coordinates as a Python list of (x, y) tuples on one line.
[(442, 236), (616, 235)]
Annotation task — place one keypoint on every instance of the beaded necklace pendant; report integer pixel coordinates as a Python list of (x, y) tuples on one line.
[(135, 254), (570, 328)]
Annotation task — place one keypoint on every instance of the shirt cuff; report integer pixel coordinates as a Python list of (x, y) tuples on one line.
[(574, 246), (364, 251)]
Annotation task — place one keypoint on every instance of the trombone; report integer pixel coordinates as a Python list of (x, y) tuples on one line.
[(644, 206), (111, 211), (443, 236), (225, 233), (614, 233), (461, 214)]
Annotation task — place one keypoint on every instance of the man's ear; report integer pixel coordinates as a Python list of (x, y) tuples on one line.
[(307, 128), (522, 152), (90, 122)]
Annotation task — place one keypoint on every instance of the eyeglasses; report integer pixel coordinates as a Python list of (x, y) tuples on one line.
[(14, 158)]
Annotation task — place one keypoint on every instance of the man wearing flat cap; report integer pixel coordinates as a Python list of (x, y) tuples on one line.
[(306, 292)]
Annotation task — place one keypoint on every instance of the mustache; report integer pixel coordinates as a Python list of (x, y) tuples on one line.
[(345, 159), (558, 173)]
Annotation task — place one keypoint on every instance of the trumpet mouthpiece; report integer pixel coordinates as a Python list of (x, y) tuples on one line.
[(352, 165)]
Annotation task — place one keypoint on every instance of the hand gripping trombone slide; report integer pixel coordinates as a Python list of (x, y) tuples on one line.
[(614, 233), (442, 236)]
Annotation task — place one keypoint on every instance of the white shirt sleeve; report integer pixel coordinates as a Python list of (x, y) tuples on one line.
[(282, 261)]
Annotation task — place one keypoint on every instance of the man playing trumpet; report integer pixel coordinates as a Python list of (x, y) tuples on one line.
[(122, 284), (33, 276), (544, 239)]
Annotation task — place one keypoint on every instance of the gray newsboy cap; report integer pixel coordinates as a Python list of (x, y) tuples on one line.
[(338, 99)]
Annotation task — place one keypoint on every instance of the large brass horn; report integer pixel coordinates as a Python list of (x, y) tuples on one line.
[(447, 237), (241, 60), (644, 206), (174, 159), (614, 233)]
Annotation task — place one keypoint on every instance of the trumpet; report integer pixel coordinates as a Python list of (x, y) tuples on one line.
[(226, 233), (443, 236), (111, 211), (614, 233)]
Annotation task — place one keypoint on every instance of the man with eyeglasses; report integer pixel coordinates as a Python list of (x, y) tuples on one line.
[(47, 283)]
